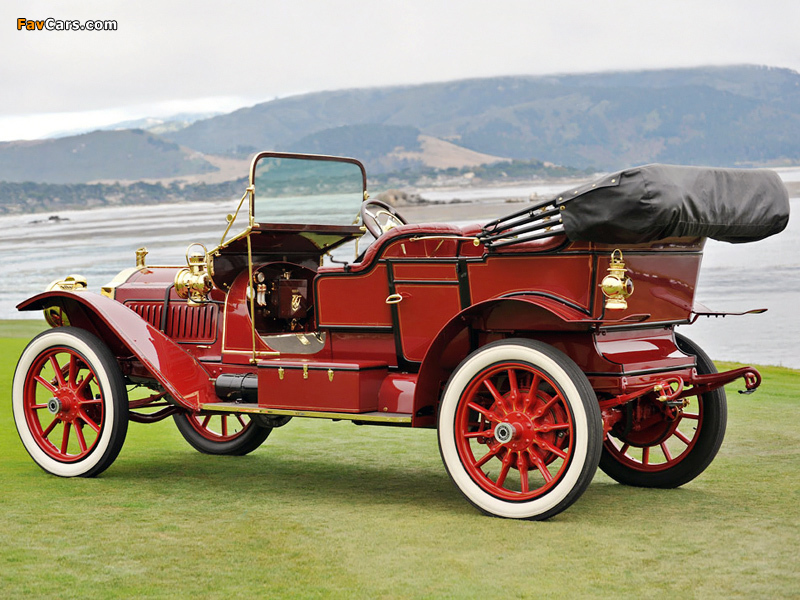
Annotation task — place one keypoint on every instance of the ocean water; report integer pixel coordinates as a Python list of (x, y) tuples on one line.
[(98, 243)]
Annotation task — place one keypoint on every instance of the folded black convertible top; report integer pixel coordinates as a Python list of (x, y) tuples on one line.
[(653, 202)]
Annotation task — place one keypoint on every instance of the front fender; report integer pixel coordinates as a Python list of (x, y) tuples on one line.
[(183, 377), (522, 312)]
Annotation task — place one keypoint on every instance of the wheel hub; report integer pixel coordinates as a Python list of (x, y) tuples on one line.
[(64, 404), (504, 432), (516, 432), (54, 406)]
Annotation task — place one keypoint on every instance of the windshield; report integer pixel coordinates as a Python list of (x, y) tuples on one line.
[(307, 189)]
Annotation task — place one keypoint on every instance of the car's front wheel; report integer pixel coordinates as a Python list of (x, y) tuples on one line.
[(70, 403), (519, 429)]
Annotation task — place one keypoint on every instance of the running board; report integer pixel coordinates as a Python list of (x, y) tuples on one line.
[(371, 417)]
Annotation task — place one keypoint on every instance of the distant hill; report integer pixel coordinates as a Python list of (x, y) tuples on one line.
[(130, 154), (720, 116), (155, 125), (387, 148), (725, 116)]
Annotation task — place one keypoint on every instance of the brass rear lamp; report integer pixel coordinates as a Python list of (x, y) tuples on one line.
[(616, 286)]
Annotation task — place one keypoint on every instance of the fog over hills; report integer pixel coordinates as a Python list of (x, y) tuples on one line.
[(721, 116)]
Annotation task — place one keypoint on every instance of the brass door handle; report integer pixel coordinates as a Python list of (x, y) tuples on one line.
[(394, 299)]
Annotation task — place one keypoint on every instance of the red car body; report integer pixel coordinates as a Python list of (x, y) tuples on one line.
[(514, 351)]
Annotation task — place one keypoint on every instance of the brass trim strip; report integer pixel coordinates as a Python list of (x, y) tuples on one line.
[(252, 291), (373, 417), (110, 289), (417, 238)]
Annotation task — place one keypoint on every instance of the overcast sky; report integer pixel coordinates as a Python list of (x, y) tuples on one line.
[(170, 56)]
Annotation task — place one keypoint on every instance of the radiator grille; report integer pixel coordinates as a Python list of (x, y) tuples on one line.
[(184, 322)]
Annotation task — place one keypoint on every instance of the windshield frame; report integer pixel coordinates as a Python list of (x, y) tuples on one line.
[(299, 156)]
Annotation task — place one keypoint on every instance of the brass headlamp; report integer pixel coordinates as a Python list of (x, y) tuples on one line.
[(194, 283), (616, 286)]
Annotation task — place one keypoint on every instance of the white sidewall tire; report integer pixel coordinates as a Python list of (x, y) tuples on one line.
[(107, 444), (586, 418)]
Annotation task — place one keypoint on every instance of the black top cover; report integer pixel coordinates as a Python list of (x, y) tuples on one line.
[(653, 202)]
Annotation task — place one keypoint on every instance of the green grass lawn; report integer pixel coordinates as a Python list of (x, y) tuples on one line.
[(328, 509)]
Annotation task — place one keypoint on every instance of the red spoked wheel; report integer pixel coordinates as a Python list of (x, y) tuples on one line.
[(658, 446), (223, 433), (513, 431), (519, 430), (70, 403)]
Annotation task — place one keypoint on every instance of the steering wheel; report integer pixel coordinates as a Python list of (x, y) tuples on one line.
[(372, 221)]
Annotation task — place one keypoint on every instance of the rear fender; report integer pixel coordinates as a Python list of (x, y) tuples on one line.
[(528, 312), (126, 333)]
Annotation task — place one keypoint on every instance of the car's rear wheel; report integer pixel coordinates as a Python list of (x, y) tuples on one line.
[(70, 403), (221, 433), (675, 447), (519, 429)]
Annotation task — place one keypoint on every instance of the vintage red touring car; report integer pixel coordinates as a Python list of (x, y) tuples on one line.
[(539, 345)]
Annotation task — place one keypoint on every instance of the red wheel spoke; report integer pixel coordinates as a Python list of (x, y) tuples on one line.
[(84, 383), (693, 416), (206, 420), (624, 448), (682, 437), (501, 478), (65, 438), (522, 465), (645, 455), (46, 384), (485, 412), (513, 392), (73, 369), (241, 421), (50, 427), (550, 447), (81, 439), (665, 450), (531, 392), (552, 427), (548, 405), (89, 421), (224, 424), (539, 463), (487, 456), (57, 369), (479, 434), (495, 394)]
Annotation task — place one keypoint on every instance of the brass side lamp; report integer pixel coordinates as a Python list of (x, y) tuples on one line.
[(616, 286), (194, 283)]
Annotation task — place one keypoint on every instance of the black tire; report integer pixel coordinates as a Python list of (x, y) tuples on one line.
[(712, 418), (198, 431), (541, 426), (70, 403)]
